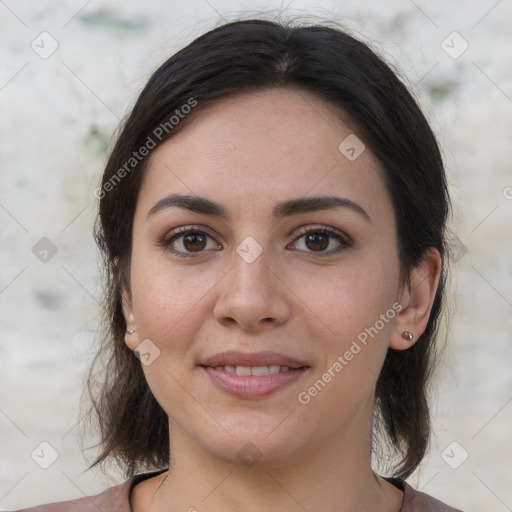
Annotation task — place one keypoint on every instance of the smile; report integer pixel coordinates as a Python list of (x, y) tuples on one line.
[(251, 382), (253, 370)]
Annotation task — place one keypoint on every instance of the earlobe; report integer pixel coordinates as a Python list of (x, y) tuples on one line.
[(131, 338), (417, 302)]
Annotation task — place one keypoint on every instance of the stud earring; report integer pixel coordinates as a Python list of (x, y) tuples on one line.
[(130, 331), (408, 335)]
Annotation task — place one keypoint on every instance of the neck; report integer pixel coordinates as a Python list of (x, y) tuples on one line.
[(331, 474)]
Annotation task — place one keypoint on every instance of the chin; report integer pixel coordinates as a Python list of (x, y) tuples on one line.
[(249, 448)]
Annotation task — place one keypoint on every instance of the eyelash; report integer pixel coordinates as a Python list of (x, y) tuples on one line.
[(343, 239)]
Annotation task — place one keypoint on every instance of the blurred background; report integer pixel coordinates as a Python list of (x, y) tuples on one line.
[(71, 70)]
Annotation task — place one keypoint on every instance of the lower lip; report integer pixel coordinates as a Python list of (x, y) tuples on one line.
[(253, 386)]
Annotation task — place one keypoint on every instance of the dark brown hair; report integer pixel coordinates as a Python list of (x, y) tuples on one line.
[(240, 57)]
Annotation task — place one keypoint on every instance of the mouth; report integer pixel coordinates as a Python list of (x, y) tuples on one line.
[(272, 369), (262, 363), (253, 376)]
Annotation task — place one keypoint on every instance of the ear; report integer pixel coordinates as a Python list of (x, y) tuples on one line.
[(417, 301), (131, 340)]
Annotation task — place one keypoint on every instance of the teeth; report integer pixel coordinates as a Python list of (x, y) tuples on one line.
[(253, 370), (259, 370), (244, 370)]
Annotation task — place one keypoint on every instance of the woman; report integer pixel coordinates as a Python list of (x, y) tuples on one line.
[(272, 219)]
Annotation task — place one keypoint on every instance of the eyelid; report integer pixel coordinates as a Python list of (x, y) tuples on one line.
[(325, 229), (177, 233), (344, 239)]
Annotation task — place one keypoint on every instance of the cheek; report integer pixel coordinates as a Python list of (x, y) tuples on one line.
[(167, 303), (352, 311), (166, 297), (346, 300), (353, 316)]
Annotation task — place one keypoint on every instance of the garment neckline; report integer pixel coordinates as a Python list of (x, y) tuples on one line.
[(398, 482), (401, 485), (137, 479)]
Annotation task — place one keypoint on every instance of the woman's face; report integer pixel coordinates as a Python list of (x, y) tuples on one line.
[(255, 281)]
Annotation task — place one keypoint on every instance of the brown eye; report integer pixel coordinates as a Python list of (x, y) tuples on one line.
[(194, 242), (317, 239), (187, 242)]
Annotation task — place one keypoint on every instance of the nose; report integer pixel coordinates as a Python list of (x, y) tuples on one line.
[(253, 295)]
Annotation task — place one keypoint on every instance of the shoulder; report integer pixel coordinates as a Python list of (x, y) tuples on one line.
[(416, 501), (113, 499)]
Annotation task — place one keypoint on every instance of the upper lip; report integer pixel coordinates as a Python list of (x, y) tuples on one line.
[(237, 358)]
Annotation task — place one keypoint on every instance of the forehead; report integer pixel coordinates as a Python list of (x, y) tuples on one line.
[(250, 149)]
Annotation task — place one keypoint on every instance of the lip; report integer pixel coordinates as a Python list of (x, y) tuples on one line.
[(265, 358), (253, 386)]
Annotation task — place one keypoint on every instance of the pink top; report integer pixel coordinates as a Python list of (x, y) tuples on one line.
[(117, 499)]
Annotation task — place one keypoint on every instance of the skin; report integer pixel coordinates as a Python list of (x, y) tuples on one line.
[(248, 153)]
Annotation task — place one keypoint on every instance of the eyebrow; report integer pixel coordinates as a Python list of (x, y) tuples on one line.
[(283, 209)]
